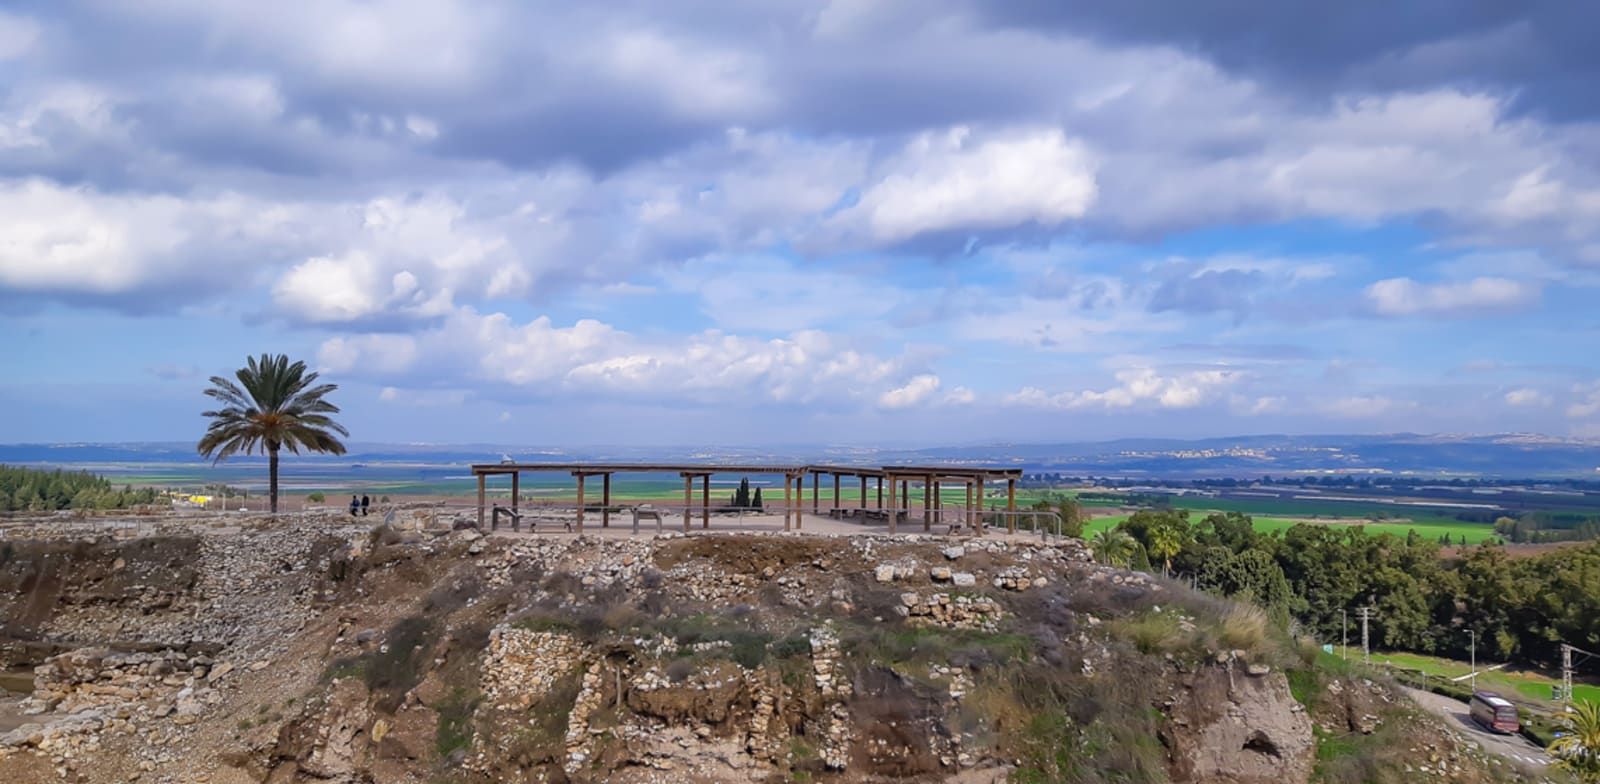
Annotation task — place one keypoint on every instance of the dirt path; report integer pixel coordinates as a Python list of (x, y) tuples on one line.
[(1512, 747)]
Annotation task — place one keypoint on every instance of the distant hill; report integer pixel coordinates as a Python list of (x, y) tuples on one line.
[(1499, 455)]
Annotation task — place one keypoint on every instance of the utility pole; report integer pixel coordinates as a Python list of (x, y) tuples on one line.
[(1474, 633), (1566, 674), (1566, 671), (1344, 634), (1365, 614)]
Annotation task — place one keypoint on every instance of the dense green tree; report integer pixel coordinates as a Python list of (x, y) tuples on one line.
[(31, 489), (275, 405)]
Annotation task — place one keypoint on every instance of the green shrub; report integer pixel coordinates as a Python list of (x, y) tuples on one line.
[(316, 498), (455, 722), (1152, 633), (397, 667)]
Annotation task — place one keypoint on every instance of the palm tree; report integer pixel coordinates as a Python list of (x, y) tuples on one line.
[(1112, 546), (1578, 750), (1165, 542), (278, 407)]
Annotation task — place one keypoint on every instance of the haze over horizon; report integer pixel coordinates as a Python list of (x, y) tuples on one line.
[(849, 222)]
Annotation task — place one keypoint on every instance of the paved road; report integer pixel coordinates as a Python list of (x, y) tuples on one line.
[(1454, 712)]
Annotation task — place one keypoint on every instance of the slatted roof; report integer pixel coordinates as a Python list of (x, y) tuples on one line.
[(962, 472)]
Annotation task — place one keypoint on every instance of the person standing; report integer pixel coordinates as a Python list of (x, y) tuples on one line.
[(364, 502), (355, 504)]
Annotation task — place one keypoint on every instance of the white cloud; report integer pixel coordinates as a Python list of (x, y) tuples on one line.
[(770, 294), (591, 357), (1587, 402), (1258, 406), (1362, 407), (389, 394), (63, 239), (960, 396), (915, 391), (1407, 297), (1136, 387), (959, 180), (430, 45), (18, 34), (368, 354), (1527, 398), (695, 80)]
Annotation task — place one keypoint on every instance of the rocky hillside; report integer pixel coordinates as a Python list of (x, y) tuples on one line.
[(316, 652)]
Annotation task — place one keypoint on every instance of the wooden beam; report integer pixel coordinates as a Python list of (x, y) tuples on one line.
[(481, 477), (516, 490), (863, 492), (705, 501), (605, 498), (688, 489), (927, 503), (816, 493), (880, 492), (835, 491)]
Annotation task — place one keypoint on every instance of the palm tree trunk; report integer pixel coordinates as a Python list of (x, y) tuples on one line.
[(272, 474)]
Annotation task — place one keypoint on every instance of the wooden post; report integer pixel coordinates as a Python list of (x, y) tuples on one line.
[(787, 501), (1011, 505), (705, 501), (835, 491), (605, 498), (938, 503), (863, 492), (980, 506), (966, 519), (580, 503), (688, 503), (816, 493), (893, 512), (880, 492), (927, 503), (516, 491), (480, 501), (905, 496)]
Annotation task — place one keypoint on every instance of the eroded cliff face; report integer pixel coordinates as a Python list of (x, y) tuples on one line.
[(739, 658), (1229, 726), (432, 656)]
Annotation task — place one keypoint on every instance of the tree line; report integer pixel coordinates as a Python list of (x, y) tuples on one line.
[(35, 490), (1521, 609)]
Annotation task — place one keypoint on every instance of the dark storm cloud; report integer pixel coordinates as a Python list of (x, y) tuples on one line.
[(1542, 51)]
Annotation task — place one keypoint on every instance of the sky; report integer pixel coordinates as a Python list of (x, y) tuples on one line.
[(891, 222)]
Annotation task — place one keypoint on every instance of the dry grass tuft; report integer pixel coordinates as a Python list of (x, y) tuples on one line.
[(1244, 627)]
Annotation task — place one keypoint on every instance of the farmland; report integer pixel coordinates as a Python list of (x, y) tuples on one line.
[(1521, 685)]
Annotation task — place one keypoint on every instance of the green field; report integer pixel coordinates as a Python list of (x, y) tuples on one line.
[(1526, 686)]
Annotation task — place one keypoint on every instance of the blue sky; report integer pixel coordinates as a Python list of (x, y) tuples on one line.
[(843, 221)]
